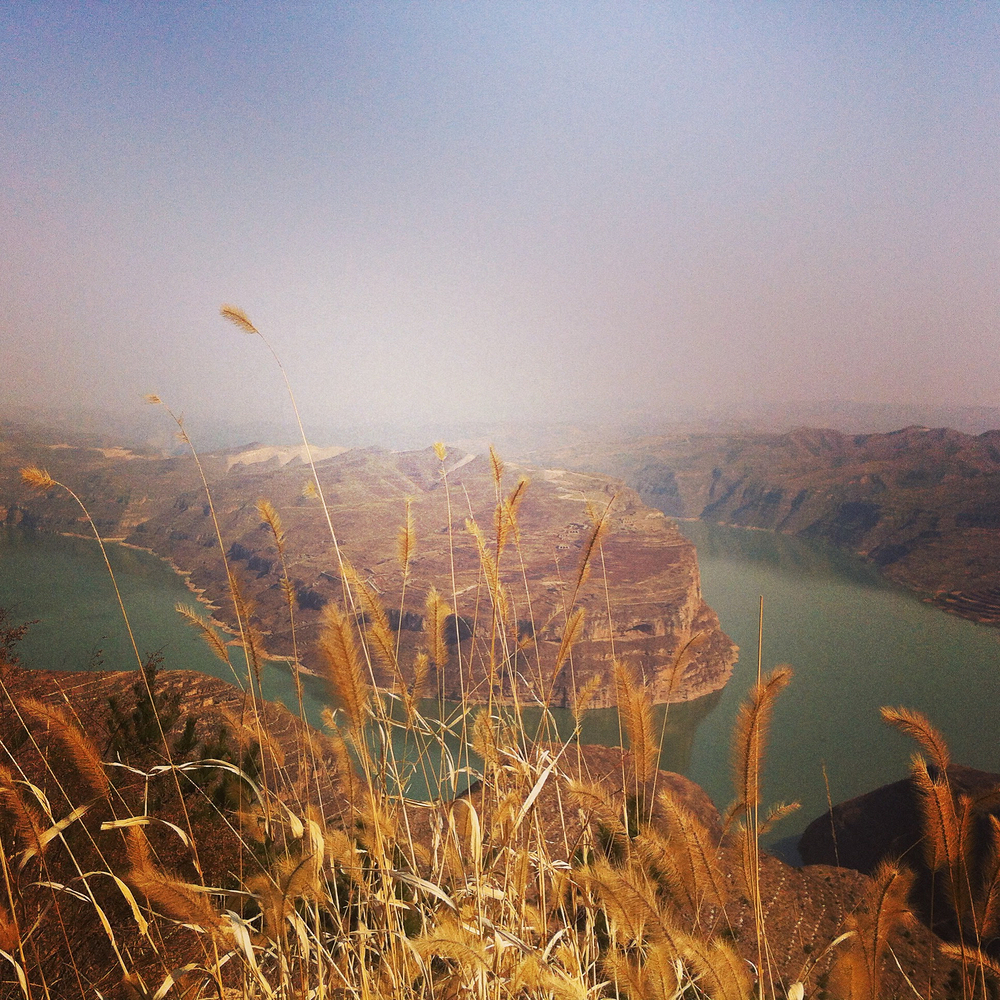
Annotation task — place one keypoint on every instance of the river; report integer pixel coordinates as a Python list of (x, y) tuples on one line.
[(63, 582), (854, 640)]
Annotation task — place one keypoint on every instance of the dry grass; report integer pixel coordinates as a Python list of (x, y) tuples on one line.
[(295, 867)]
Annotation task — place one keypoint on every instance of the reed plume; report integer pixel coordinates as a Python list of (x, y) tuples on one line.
[(421, 675), (917, 725), (684, 850), (344, 670), (750, 738), (858, 973), (435, 627), (377, 628), (600, 522), (584, 697), (636, 713), (572, 631), (185, 903), (28, 822), (205, 630), (406, 541), (941, 823), (238, 318), (78, 745)]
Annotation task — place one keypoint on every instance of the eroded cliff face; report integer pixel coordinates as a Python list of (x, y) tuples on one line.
[(919, 503), (641, 595)]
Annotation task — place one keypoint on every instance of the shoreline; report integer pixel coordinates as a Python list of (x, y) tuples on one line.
[(950, 602), (199, 594)]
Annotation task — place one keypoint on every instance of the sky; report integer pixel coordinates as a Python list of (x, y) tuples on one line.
[(493, 211)]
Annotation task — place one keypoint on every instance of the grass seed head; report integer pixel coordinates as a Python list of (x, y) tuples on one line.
[(239, 318), (37, 478)]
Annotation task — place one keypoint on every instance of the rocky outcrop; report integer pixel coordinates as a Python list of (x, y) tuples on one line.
[(641, 595), (888, 823)]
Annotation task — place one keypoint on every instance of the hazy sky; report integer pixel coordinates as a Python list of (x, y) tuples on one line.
[(446, 210)]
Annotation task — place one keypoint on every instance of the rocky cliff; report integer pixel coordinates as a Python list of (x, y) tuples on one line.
[(922, 504), (642, 597)]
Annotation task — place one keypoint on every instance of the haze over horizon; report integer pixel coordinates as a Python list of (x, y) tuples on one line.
[(471, 212)]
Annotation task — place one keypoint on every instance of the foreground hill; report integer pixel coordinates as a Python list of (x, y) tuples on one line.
[(211, 856), (642, 599), (922, 504)]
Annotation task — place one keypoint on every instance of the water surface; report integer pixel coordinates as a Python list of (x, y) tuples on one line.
[(855, 642), (64, 583)]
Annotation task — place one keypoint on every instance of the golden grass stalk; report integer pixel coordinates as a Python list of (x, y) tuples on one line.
[(81, 749), (28, 822), (205, 630), (636, 713), (406, 541), (435, 627), (941, 825), (175, 898), (373, 614), (249, 638), (239, 318), (571, 635), (917, 725), (858, 971), (344, 670), (753, 723), (990, 913), (40, 479), (421, 675), (600, 523), (686, 852), (583, 698), (505, 514)]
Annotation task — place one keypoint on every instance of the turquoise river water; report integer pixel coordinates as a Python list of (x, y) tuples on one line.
[(854, 641)]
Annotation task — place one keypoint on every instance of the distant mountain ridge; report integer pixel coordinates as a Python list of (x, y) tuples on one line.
[(922, 503)]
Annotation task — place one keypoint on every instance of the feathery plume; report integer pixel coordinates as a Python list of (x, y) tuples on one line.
[(505, 514), (750, 738), (435, 626), (917, 725), (601, 522), (689, 856), (583, 697), (377, 628), (208, 634), (344, 672), (36, 478), (440, 450), (406, 541), (858, 972), (421, 673), (79, 746), (571, 634), (636, 712), (496, 465), (486, 559), (238, 317), (178, 900), (27, 821), (272, 519), (941, 826)]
